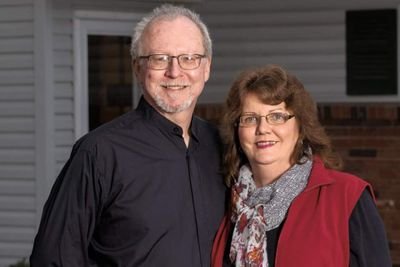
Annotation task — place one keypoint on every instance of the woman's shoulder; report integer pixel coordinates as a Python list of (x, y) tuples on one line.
[(340, 180), (346, 178), (337, 176)]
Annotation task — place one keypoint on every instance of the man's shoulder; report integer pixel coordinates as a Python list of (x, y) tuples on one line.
[(205, 125), (114, 129)]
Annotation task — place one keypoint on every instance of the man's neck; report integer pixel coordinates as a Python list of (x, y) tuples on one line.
[(183, 119)]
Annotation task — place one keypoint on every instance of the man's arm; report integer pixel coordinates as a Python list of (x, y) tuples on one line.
[(68, 218)]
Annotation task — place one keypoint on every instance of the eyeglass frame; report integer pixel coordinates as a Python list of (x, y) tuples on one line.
[(198, 57), (258, 118)]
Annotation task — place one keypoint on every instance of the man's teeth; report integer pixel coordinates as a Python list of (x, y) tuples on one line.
[(174, 86)]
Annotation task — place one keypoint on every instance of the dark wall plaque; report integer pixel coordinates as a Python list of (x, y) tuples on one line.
[(371, 52)]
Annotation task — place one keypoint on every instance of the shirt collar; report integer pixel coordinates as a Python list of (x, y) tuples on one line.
[(149, 113)]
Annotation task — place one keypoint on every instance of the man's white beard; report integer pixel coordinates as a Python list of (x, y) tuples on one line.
[(173, 109)]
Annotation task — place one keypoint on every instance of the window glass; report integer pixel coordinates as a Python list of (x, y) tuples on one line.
[(110, 78)]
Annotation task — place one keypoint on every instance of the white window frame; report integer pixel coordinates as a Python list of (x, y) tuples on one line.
[(380, 98), (98, 23)]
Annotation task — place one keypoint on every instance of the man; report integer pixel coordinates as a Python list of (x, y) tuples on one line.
[(144, 189)]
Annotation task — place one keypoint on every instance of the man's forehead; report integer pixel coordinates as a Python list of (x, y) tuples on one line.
[(169, 24), (180, 32)]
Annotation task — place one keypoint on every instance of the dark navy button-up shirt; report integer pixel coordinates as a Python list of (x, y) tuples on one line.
[(132, 194)]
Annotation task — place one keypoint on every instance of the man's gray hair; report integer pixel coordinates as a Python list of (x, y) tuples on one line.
[(168, 12)]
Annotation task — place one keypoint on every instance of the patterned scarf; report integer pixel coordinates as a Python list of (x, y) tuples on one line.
[(258, 210)]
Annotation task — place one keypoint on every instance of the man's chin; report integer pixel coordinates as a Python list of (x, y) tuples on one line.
[(174, 108)]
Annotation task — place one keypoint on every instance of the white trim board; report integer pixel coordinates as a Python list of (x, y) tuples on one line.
[(44, 102), (100, 23)]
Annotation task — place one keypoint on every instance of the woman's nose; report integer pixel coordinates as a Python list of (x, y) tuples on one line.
[(263, 126)]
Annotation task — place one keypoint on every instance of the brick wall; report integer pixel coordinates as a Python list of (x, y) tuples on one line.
[(367, 136)]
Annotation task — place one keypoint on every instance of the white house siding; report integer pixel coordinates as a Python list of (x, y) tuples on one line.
[(309, 43), (306, 37), (17, 130), (63, 82)]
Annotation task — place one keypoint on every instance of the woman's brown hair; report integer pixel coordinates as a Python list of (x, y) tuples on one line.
[(274, 85)]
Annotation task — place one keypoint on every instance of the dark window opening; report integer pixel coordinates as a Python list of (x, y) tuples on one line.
[(371, 52), (110, 78)]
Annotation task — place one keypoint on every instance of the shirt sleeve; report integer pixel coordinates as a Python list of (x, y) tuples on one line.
[(69, 215), (368, 242)]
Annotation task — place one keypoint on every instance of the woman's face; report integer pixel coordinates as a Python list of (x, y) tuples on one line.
[(266, 144)]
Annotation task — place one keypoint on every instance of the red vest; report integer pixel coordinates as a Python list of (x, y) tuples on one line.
[(316, 230)]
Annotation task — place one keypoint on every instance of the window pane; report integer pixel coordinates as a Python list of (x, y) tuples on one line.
[(371, 52), (110, 78)]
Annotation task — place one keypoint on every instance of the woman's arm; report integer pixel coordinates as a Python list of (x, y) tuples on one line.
[(368, 242)]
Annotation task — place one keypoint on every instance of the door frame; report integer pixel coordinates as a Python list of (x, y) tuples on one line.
[(96, 23)]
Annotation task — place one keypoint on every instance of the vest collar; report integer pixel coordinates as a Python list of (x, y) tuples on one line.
[(318, 176)]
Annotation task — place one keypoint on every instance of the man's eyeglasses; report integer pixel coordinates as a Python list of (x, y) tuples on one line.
[(253, 119), (161, 61)]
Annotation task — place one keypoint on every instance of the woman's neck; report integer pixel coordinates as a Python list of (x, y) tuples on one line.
[(264, 174)]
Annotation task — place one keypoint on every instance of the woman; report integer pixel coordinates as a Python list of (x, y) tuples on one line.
[(290, 206)]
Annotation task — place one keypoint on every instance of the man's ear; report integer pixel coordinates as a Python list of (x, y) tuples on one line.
[(207, 69), (135, 67)]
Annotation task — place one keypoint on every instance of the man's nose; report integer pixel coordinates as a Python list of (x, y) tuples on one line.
[(173, 69)]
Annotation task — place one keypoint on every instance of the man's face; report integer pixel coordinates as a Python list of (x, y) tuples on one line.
[(174, 89)]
